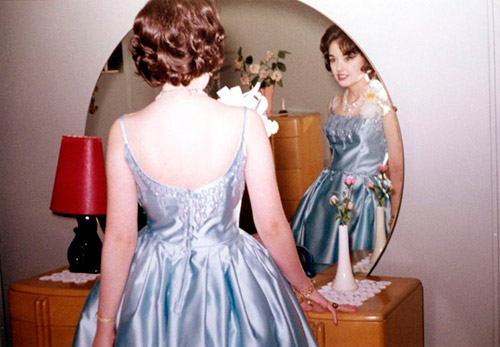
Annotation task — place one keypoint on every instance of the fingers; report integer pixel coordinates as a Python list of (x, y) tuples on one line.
[(347, 308)]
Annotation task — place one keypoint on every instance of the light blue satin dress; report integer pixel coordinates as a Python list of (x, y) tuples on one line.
[(357, 145), (196, 279)]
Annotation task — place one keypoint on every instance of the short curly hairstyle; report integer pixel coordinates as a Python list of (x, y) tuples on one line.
[(346, 45), (175, 41)]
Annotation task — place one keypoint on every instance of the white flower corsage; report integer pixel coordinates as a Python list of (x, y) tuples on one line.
[(252, 99), (376, 103)]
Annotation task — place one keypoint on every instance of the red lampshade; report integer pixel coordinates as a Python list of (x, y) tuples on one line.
[(80, 184)]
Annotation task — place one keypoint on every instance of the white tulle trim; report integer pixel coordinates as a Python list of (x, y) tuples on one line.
[(366, 289), (70, 277), (364, 265), (252, 99)]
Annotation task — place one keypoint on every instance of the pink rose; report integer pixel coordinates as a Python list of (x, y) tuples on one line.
[(334, 200), (276, 76), (370, 185), (349, 181), (254, 68), (245, 80), (350, 206), (382, 168), (269, 55)]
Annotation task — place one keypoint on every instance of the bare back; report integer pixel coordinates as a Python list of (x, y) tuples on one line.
[(185, 139)]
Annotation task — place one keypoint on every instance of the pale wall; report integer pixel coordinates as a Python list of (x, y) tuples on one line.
[(436, 59)]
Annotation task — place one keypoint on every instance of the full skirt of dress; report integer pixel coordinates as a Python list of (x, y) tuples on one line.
[(227, 294)]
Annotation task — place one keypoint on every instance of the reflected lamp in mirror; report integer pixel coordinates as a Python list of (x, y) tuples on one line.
[(80, 192)]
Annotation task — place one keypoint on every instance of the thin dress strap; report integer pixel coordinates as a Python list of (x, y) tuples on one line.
[(124, 132), (244, 123)]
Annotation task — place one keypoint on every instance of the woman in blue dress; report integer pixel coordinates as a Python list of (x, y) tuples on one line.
[(191, 277), (362, 132)]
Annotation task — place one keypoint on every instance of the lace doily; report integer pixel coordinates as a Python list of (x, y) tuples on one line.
[(366, 289), (69, 277), (364, 265)]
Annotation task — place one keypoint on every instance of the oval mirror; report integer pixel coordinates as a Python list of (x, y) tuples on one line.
[(300, 147)]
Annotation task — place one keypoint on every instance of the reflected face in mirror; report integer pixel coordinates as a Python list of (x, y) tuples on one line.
[(307, 86), (361, 187), (347, 69)]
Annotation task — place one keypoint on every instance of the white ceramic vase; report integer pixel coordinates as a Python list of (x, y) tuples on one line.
[(344, 279), (380, 235)]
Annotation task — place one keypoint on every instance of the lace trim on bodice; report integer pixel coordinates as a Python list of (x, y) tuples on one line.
[(195, 205)]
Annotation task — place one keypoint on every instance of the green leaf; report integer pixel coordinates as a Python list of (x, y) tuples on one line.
[(249, 59), (281, 67), (282, 54), (280, 83), (273, 66), (254, 80), (239, 51)]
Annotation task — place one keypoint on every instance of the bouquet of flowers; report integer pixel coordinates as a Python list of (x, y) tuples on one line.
[(382, 189), (347, 205), (268, 71)]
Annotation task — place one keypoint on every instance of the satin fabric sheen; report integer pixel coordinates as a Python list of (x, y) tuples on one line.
[(196, 279), (357, 145)]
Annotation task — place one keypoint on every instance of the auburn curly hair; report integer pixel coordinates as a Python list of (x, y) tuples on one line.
[(175, 41), (346, 45)]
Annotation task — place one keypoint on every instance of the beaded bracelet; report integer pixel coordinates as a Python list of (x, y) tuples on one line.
[(104, 319)]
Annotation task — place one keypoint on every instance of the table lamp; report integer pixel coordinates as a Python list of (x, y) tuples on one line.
[(80, 192)]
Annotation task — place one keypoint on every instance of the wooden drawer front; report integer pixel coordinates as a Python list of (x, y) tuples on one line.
[(289, 184), (289, 127), (287, 153), (348, 333), (52, 310)]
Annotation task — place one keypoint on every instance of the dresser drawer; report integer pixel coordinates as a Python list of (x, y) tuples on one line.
[(59, 310), (289, 184), (287, 153)]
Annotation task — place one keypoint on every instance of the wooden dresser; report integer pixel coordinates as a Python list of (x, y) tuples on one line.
[(298, 156), (45, 313), (393, 317)]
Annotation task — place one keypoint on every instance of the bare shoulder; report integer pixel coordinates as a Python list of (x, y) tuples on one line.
[(335, 104)]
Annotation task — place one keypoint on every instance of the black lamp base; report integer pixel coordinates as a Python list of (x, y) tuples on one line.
[(84, 252)]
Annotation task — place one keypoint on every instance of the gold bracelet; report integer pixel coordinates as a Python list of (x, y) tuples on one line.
[(104, 319), (301, 296), (309, 291)]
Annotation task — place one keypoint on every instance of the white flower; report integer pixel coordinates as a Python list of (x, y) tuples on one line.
[(376, 102), (269, 55), (254, 68), (276, 76), (263, 74)]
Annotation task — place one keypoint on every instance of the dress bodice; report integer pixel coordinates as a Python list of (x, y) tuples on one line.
[(357, 143), (187, 217)]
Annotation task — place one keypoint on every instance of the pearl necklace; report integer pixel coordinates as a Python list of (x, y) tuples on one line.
[(347, 108), (190, 91)]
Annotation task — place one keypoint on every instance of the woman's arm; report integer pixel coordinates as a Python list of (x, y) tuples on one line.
[(396, 164), (269, 217), (120, 237)]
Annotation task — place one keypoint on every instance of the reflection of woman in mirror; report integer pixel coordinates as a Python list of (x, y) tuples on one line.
[(191, 277), (362, 132)]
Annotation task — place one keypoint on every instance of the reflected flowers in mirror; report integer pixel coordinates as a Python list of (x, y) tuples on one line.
[(382, 188), (269, 71), (345, 206)]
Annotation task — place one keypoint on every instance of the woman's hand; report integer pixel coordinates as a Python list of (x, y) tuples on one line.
[(105, 335), (315, 302)]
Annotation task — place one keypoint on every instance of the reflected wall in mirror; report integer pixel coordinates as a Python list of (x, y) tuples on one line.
[(307, 86)]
